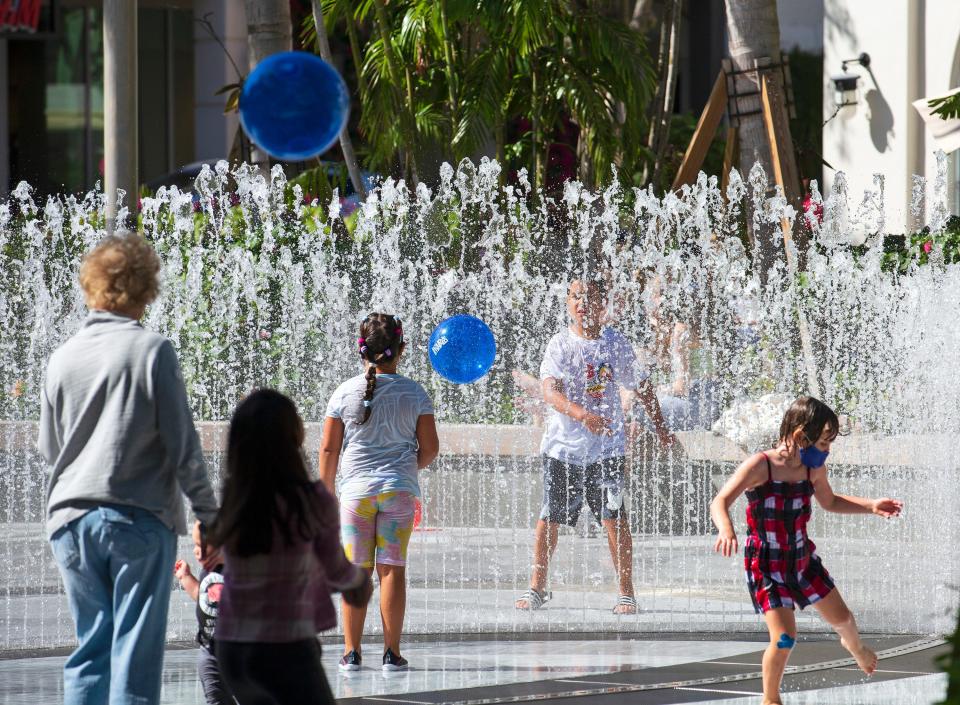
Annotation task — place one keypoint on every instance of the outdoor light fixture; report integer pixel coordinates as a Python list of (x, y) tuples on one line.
[(845, 83)]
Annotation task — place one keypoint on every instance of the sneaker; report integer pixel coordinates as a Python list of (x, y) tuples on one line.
[(350, 661), (393, 662)]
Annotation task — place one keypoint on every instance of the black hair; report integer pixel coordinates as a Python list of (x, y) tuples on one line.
[(811, 415), (381, 340), (599, 284), (266, 486)]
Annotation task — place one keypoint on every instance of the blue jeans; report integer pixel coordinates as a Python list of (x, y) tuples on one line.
[(116, 564)]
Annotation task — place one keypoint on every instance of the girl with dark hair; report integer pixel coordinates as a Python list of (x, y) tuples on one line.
[(282, 558), (783, 568), (379, 432)]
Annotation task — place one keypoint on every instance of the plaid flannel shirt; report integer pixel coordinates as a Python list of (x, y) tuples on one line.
[(284, 595)]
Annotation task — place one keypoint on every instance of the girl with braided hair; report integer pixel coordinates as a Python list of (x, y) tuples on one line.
[(378, 433)]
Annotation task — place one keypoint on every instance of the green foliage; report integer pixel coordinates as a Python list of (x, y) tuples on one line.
[(900, 252), (950, 663), (806, 70), (473, 72), (682, 127), (947, 107), (318, 182)]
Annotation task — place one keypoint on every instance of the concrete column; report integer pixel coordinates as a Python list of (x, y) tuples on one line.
[(916, 89), (4, 121), (213, 68), (120, 141)]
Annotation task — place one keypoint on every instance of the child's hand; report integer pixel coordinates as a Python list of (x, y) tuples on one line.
[(886, 507), (181, 570), (726, 544), (597, 425)]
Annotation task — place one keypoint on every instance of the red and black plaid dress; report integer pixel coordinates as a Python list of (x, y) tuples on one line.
[(782, 565)]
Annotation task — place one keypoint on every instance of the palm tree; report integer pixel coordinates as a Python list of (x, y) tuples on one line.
[(753, 33), (449, 78)]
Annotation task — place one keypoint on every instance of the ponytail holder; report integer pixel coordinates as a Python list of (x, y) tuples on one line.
[(363, 350), (361, 341), (366, 403), (388, 352)]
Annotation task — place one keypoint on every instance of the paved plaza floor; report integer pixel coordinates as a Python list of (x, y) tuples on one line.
[(662, 669)]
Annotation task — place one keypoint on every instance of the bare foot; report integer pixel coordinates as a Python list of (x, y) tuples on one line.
[(866, 658)]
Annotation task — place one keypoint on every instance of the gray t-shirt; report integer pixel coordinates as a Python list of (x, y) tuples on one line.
[(591, 373), (381, 454)]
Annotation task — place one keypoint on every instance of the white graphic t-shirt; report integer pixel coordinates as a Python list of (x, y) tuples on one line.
[(590, 372)]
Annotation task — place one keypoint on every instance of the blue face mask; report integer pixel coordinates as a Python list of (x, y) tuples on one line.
[(813, 457)]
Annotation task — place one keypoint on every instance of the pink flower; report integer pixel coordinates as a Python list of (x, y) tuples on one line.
[(927, 246), (264, 334)]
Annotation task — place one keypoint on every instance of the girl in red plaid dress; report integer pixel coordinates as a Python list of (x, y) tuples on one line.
[(783, 568)]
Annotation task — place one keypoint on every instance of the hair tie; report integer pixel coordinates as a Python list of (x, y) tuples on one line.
[(361, 341), (366, 403), (399, 331), (363, 350), (388, 352)]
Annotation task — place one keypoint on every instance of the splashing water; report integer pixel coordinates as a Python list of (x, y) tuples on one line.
[(260, 288)]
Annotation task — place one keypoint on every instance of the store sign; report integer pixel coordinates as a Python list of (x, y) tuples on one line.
[(19, 15)]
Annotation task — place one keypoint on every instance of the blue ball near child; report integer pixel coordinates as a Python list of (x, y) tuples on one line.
[(462, 349), (293, 105)]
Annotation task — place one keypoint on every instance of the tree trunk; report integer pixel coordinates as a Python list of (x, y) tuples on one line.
[(269, 31), (539, 167), (670, 86), (656, 108), (754, 37), (642, 16), (754, 33), (346, 145)]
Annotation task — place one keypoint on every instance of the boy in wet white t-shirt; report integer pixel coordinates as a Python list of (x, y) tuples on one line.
[(583, 443)]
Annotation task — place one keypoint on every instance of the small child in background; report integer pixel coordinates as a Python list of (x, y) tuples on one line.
[(584, 440), (782, 565), (205, 591)]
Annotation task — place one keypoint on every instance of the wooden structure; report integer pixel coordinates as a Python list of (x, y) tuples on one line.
[(775, 104)]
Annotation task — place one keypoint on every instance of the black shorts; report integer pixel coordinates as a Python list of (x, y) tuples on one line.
[(566, 486)]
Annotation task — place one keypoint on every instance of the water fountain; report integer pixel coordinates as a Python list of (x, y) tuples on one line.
[(261, 288)]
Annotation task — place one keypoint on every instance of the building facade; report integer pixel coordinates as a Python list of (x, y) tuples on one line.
[(914, 47), (51, 90)]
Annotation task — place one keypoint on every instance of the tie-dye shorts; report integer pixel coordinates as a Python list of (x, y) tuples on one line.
[(377, 527)]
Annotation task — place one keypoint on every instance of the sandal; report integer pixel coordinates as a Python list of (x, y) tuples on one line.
[(535, 599), (626, 601)]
